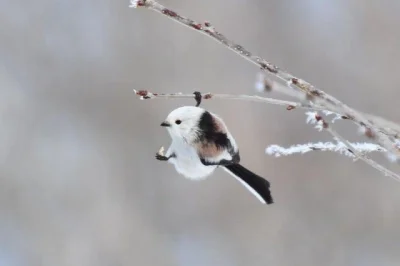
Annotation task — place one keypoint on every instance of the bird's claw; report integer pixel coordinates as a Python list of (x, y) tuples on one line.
[(197, 97), (161, 157)]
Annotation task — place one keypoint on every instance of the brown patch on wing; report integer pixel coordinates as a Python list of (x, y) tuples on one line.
[(219, 125), (207, 150)]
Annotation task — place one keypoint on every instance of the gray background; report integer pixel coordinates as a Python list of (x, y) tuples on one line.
[(78, 181)]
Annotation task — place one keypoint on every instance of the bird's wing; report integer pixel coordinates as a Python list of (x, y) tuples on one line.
[(217, 151), (215, 146)]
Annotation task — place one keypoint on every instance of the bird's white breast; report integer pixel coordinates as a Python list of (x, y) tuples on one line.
[(187, 161)]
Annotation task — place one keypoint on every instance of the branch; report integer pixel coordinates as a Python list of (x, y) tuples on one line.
[(339, 147), (388, 128), (315, 118), (312, 93), (290, 105)]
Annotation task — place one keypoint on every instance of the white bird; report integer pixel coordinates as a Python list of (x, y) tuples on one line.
[(201, 143)]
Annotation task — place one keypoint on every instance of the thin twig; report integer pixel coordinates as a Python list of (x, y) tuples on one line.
[(364, 157), (315, 118), (314, 94), (391, 129), (290, 105), (339, 147)]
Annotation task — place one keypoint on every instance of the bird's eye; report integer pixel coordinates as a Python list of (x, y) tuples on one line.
[(178, 122)]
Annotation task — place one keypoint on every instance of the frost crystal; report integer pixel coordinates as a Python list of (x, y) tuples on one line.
[(134, 4), (339, 147)]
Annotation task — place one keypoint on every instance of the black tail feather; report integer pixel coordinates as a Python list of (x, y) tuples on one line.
[(258, 185)]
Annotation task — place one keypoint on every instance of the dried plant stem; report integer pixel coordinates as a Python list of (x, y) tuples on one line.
[(378, 134), (253, 98)]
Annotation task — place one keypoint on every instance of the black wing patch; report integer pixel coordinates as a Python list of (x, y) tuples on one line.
[(211, 132), (215, 139)]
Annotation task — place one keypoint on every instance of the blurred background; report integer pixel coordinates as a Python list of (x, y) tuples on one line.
[(79, 184)]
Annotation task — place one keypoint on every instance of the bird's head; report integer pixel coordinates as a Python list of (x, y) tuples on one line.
[(183, 123)]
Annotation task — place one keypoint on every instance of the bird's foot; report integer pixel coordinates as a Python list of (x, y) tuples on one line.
[(162, 157)]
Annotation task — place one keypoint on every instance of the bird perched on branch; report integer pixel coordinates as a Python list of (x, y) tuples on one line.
[(201, 143)]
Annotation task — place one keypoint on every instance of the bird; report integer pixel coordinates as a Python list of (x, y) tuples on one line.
[(201, 143)]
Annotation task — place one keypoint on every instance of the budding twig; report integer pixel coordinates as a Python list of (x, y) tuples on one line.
[(388, 128), (290, 105)]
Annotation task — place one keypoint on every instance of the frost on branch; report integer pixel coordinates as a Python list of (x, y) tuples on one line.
[(136, 3), (393, 157), (353, 150), (144, 95), (315, 118), (339, 147), (363, 130), (336, 116)]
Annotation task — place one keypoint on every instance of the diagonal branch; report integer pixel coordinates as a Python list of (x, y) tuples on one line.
[(315, 118), (312, 93), (389, 128)]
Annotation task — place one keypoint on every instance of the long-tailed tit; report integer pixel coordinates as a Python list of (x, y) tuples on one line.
[(201, 142)]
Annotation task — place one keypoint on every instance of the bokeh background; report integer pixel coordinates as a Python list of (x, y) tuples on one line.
[(79, 184)]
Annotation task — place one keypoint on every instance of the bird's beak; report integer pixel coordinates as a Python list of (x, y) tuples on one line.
[(165, 124)]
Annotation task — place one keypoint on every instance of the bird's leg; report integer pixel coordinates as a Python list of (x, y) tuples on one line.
[(164, 158), (197, 97), (161, 157)]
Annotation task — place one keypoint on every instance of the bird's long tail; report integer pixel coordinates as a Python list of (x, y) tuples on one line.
[(256, 184)]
